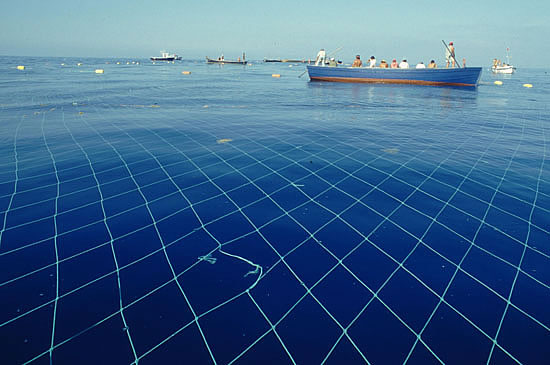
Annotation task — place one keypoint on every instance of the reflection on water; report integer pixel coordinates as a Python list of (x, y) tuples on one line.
[(396, 95)]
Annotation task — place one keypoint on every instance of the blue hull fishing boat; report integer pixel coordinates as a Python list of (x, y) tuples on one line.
[(467, 76)]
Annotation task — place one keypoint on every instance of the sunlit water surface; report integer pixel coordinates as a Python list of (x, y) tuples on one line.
[(226, 216)]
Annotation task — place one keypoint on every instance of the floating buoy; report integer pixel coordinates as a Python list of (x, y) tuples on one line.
[(527, 85), (186, 72), (498, 82), (20, 67), (276, 75), (391, 151), (99, 71)]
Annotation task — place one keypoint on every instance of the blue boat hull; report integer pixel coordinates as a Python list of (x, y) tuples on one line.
[(467, 76)]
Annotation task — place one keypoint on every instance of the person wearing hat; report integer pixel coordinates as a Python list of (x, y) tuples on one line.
[(394, 64), (357, 62), (450, 55)]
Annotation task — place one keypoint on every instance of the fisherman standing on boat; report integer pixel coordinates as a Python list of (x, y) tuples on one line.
[(450, 54), (321, 56)]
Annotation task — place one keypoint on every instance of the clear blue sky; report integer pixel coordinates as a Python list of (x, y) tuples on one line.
[(481, 30)]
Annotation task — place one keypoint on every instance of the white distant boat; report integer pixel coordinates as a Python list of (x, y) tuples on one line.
[(503, 68), (165, 56)]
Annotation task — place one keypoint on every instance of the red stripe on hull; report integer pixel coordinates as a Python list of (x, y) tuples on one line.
[(389, 81)]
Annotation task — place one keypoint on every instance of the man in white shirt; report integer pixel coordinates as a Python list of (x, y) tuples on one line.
[(404, 64), (421, 65), (321, 56), (450, 55), (372, 62)]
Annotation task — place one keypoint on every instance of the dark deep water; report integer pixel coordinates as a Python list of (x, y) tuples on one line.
[(230, 217)]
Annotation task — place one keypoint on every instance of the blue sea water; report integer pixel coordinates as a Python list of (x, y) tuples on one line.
[(229, 217)]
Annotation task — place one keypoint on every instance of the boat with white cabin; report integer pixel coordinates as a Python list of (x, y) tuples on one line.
[(165, 56), (503, 68)]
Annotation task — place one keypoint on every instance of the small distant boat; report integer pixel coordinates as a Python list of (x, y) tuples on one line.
[(466, 76), (285, 60), (165, 56), (222, 60), (503, 68)]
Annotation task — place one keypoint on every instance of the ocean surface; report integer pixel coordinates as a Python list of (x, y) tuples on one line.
[(226, 216)]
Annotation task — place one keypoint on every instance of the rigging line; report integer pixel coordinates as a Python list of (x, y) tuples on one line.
[(15, 154), (509, 299), (55, 240), (111, 239)]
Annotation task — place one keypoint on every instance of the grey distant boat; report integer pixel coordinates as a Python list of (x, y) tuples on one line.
[(221, 60)]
